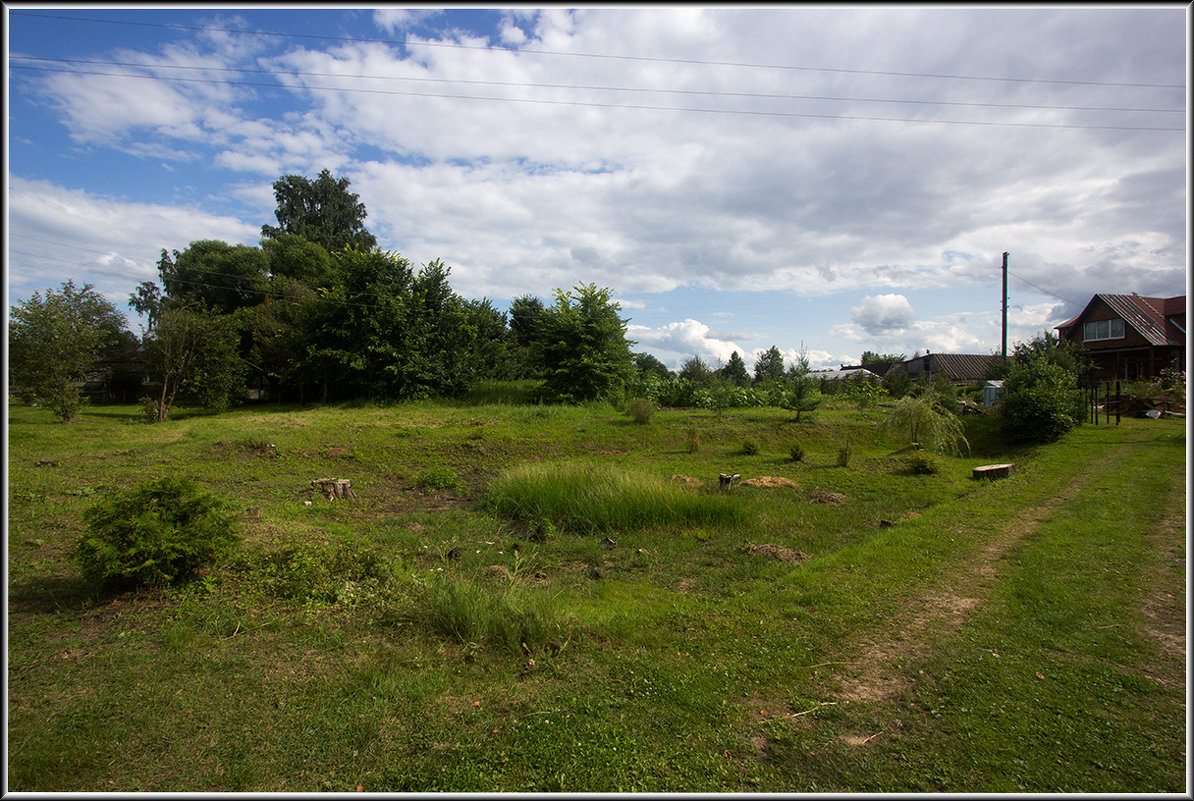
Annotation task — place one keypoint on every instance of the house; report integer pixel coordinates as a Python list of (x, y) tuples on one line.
[(960, 368), (1130, 337), (855, 373)]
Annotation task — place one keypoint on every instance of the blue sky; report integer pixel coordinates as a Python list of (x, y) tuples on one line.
[(830, 180)]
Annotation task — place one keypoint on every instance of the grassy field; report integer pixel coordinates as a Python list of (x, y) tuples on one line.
[(537, 598)]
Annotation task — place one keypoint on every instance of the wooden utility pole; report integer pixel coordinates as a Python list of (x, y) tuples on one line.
[(1005, 304)]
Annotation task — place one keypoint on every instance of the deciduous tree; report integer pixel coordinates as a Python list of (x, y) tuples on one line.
[(581, 345), (322, 211), (55, 339)]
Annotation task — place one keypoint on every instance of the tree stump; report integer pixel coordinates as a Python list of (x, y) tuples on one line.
[(334, 488), (993, 471)]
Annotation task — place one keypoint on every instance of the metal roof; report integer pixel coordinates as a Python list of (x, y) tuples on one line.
[(1146, 315)]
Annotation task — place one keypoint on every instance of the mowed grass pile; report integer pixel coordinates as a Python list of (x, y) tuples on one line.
[(589, 497), (521, 599)]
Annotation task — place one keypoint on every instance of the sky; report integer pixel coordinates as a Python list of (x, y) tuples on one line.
[(826, 180)]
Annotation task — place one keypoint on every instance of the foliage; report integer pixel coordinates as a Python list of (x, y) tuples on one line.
[(581, 345), (796, 452), (735, 371), (55, 340), (1042, 401), (769, 365), (640, 410), (696, 371), (1067, 354), (750, 448), (434, 479), (646, 363), (322, 211), (213, 274), (922, 463), (927, 421), (159, 533), (897, 383), (193, 354), (802, 390)]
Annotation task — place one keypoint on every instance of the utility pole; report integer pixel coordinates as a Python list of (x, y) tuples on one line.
[(1005, 304)]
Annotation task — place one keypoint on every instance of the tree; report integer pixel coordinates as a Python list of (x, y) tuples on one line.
[(193, 354), (802, 393), (581, 346), (735, 371), (769, 365), (55, 340), (926, 420), (696, 371), (646, 363), (322, 211), (291, 256), (216, 275)]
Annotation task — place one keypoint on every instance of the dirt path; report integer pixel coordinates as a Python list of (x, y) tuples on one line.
[(875, 675)]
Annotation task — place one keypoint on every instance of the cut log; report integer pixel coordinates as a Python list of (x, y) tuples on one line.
[(334, 488), (993, 471)]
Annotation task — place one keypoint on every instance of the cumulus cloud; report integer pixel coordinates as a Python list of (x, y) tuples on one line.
[(678, 341), (879, 314)]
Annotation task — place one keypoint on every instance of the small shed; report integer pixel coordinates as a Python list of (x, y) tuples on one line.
[(993, 392)]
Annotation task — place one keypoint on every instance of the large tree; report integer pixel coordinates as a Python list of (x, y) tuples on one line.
[(735, 371), (322, 211), (581, 345), (217, 275), (55, 340)]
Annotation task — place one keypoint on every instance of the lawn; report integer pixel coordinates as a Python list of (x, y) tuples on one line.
[(530, 598)]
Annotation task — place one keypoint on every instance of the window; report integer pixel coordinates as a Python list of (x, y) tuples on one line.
[(1103, 329)]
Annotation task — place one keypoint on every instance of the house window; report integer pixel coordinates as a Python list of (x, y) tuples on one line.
[(1103, 329)]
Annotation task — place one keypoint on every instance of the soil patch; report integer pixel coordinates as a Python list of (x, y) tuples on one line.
[(687, 481), (779, 552), (825, 496), (770, 482)]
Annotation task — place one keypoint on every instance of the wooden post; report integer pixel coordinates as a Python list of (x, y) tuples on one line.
[(1118, 401)]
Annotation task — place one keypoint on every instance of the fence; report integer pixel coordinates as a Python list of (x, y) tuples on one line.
[(1095, 390)]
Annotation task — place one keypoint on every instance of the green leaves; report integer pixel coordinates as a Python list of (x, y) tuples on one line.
[(581, 344)]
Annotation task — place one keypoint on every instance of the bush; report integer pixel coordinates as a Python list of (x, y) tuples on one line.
[(1042, 402), (158, 534), (750, 448), (641, 410), (922, 464), (796, 452)]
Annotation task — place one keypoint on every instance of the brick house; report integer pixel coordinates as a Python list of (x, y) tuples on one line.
[(1130, 337)]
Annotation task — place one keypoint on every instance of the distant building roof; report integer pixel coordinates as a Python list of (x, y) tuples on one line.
[(969, 367), (845, 372)]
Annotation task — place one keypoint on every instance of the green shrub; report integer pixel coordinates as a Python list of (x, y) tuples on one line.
[(640, 409), (694, 439), (750, 448), (843, 455), (796, 452), (438, 478), (1042, 402), (157, 534), (922, 463)]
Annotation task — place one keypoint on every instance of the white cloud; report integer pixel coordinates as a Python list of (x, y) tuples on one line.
[(880, 314), (679, 341)]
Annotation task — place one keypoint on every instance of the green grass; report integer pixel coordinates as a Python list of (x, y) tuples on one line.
[(387, 641)]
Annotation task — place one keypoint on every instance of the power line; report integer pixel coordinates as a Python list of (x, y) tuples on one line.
[(526, 85), (628, 106), (654, 59), (1041, 289)]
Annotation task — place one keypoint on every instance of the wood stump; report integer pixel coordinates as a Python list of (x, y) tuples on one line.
[(334, 488), (993, 471)]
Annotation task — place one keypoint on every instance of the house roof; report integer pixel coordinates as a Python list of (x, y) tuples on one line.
[(1150, 317), (957, 366), (845, 372), (963, 366)]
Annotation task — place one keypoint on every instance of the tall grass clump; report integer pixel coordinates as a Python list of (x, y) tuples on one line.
[(511, 619), (589, 497), (640, 409)]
